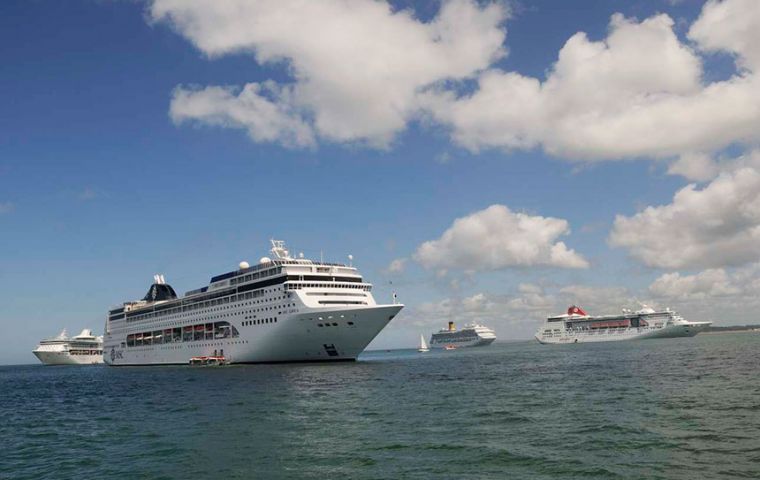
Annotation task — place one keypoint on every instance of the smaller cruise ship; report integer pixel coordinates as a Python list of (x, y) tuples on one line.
[(83, 349), (472, 335), (576, 326)]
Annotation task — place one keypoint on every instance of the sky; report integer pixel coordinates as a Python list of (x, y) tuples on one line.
[(487, 161)]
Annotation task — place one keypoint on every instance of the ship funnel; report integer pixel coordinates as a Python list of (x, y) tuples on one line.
[(451, 327), (576, 310)]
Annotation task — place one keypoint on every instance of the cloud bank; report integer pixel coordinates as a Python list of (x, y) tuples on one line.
[(357, 66), (715, 226), (360, 71)]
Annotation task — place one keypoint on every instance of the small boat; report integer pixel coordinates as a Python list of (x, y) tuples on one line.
[(208, 361), (450, 347), (423, 346), (216, 361)]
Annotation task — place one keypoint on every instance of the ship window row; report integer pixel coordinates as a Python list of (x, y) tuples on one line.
[(298, 286), (85, 352), (255, 268), (200, 305), (191, 333), (243, 312), (335, 294), (260, 321), (254, 276), (341, 302)]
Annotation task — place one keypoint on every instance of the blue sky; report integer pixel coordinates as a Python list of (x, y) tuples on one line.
[(101, 186)]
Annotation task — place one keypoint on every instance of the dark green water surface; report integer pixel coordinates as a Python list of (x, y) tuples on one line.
[(675, 409)]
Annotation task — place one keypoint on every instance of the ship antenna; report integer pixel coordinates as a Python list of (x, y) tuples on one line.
[(279, 250)]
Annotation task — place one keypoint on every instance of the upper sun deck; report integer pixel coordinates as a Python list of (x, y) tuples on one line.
[(271, 267), (626, 314), (280, 263), (269, 271)]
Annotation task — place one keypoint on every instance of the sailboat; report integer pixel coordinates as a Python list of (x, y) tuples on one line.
[(423, 346)]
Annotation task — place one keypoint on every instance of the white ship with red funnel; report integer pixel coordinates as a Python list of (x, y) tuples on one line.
[(576, 326)]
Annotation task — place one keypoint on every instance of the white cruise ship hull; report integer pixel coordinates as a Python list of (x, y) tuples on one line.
[(64, 358), (294, 338), (612, 335), (475, 342)]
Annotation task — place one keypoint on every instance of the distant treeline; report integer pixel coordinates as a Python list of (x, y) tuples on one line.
[(733, 328)]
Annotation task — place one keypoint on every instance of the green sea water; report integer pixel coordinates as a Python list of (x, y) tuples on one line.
[(660, 409)]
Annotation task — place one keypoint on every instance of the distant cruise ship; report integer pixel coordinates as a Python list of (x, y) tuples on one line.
[(472, 335), (577, 326), (85, 348), (282, 310)]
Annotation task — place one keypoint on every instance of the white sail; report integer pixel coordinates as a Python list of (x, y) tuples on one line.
[(423, 346)]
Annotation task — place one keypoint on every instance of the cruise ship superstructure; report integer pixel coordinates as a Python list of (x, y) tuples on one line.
[(283, 309), (472, 335), (576, 326), (82, 349)]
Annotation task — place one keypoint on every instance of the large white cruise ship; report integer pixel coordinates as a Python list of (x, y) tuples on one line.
[(82, 349), (282, 310), (472, 335), (576, 326)]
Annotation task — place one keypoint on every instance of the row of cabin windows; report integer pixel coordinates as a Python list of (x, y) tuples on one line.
[(254, 276), (207, 304), (298, 286), (260, 321), (266, 309), (193, 333), (232, 314), (341, 302)]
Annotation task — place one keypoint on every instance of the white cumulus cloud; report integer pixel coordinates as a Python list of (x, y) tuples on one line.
[(259, 109), (356, 66), (497, 238), (730, 26), (706, 284), (637, 93), (360, 71), (711, 227), (397, 265)]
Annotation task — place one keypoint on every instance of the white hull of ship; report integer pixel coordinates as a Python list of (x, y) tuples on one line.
[(476, 342), (613, 335), (65, 358), (294, 338)]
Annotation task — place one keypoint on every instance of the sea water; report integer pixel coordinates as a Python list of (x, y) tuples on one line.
[(672, 409)]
